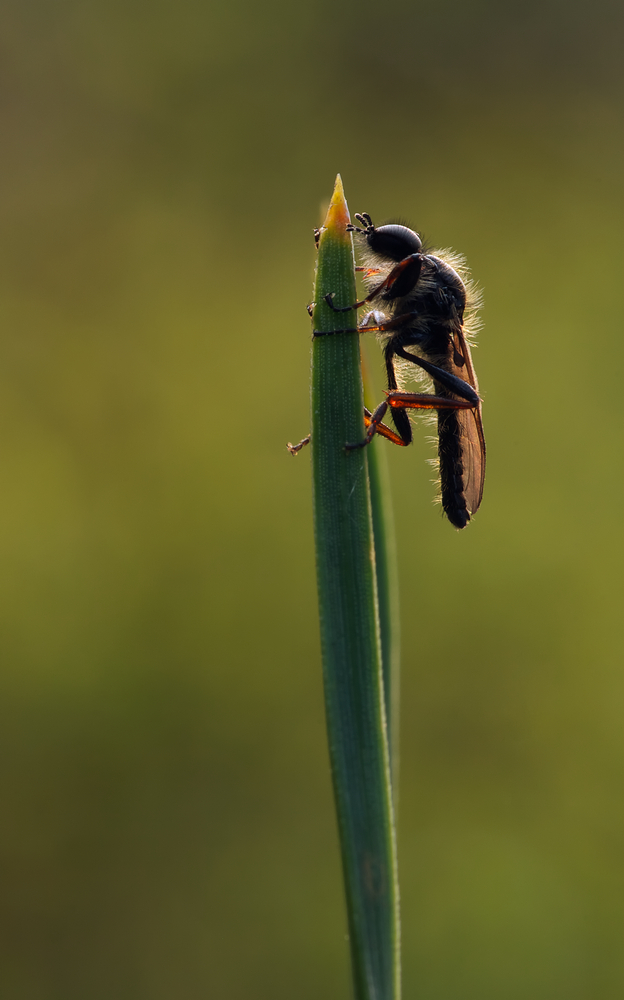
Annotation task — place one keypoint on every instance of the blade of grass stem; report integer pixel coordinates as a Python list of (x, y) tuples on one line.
[(349, 618), (388, 596), (387, 572)]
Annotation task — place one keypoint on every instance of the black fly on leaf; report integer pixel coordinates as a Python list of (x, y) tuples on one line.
[(425, 304)]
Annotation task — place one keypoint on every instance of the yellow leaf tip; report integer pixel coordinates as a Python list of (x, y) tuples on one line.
[(337, 218)]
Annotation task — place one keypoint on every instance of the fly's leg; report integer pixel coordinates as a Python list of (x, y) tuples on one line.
[(330, 333), (401, 280), (373, 424), (405, 401), (400, 418), (424, 401), (365, 219), (368, 271), (399, 401), (311, 305), (447, 379), (380, 428), (380, 323)]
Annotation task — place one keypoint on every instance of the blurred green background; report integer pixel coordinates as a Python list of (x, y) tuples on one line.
[(168, 826)]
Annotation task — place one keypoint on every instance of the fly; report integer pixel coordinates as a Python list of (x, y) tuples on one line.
[(423, 301)]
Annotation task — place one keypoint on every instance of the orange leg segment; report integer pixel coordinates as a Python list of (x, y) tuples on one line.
[(404, 401), (397, 401)]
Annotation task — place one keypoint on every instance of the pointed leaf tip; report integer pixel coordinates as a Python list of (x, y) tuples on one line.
[(337, 218)]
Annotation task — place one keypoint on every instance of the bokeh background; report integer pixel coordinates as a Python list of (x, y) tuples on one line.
[(168, 826)]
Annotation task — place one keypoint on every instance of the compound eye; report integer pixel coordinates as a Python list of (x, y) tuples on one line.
[(394, 241)]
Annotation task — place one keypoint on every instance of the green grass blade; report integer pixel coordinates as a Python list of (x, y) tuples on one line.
[(387, 572), (350, 638)]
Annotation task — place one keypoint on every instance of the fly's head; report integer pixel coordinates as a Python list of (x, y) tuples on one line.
[(392, 242)]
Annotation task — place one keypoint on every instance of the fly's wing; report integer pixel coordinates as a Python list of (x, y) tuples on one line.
[(470, 426), (473, 456)]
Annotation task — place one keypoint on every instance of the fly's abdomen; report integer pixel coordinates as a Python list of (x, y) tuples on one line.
[(452, 468)]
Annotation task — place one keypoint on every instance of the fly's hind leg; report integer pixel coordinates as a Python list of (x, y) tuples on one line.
[(447, 379), (400, 418), (402, 401), (377, 428), (399, 401), (374, 426)]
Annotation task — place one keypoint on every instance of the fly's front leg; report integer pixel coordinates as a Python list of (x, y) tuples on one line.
[(401, 280), (368, 271)]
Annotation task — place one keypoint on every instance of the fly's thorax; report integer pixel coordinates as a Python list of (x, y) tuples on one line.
[(443, 298), (456, 269), (445, 285)]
